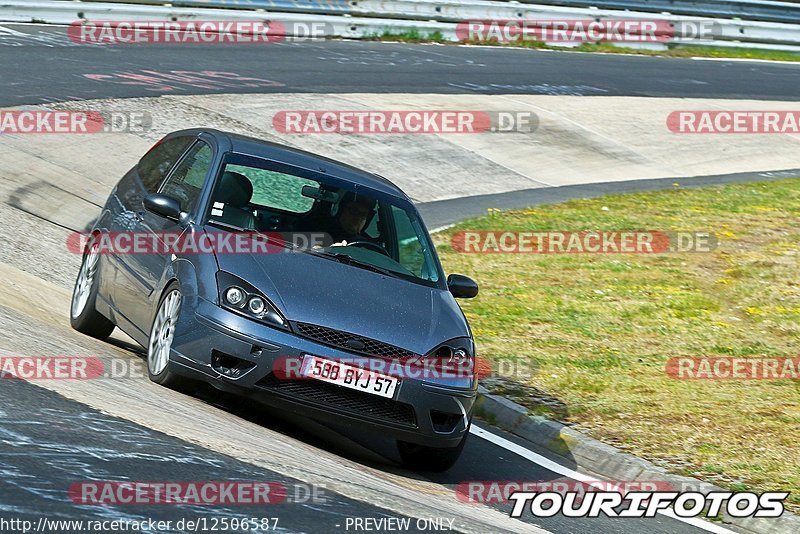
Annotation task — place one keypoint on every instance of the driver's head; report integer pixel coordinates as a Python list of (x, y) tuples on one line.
[(354, 212)]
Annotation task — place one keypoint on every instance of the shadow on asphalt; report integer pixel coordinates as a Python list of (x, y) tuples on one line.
[(480, 460)]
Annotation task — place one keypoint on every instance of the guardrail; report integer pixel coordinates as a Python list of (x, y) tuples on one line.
[(370, 18), (788, 12), (760, 10)]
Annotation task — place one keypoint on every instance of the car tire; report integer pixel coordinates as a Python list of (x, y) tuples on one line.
[(431, 459), (162, 333), (83, 315)]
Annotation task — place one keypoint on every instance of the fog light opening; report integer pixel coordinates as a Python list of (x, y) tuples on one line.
[(228, 365), (444, 422)]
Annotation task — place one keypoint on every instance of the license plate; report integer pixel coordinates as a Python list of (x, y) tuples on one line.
[(349, 376)]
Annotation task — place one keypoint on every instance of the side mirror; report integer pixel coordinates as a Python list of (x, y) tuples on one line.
[(462, 286), (163, 205)]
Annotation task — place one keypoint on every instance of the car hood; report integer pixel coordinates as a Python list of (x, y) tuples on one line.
[(325, 292)]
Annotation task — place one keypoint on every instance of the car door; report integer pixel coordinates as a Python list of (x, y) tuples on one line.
[(128, 211), (184, 184)]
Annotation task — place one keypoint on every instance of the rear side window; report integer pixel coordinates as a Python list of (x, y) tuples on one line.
[(156, 164), (186, 183), (275, 189)]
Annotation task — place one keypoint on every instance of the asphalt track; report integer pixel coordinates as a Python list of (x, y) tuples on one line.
[(442, 213), (48, 442), (40, 65), (61, 443)]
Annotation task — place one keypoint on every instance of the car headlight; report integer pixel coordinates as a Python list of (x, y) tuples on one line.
[(456, 360), (239, 296), (256, 306), (234, 295), (457, 350)]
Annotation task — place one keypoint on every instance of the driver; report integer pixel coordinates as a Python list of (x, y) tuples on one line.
[(351, 219)]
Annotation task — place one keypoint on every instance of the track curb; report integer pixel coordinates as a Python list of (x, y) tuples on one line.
[(605, 461)]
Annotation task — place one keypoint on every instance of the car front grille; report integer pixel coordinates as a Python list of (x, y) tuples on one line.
[(341, 398), (339, 339)]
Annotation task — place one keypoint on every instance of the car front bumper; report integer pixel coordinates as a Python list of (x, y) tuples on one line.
[(208, 343)]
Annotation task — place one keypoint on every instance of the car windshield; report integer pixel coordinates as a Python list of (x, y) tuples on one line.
[(343, 224)]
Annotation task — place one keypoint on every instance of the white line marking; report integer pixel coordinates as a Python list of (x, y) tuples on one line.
[(441, 228), (751, 60), (555, 467), (8, 31)]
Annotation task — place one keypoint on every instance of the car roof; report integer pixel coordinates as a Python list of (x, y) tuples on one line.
[(251, 146)]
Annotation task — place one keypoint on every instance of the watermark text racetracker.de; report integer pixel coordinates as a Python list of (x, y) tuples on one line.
[(70, 368), (418, 121), (432, 368), (585, 30), (733, 368), (500, 491), (582, 242), (185, 243), (183, 32), (199, 492), (36, 121), (734, 122)]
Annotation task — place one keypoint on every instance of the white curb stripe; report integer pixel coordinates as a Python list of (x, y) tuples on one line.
[(550, 465)]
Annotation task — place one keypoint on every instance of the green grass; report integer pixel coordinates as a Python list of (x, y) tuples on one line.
[(410, 36), (416, 36), (602, 327)]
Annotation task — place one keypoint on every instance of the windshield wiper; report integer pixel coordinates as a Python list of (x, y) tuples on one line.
[(350, 260), (227, 226)]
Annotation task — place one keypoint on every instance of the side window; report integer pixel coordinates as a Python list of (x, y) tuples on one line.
[(411, 254), (155, 165), (186, 182), (275, 189), (373, 229)]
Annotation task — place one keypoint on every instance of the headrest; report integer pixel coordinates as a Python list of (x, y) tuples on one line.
[(234, 190)]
